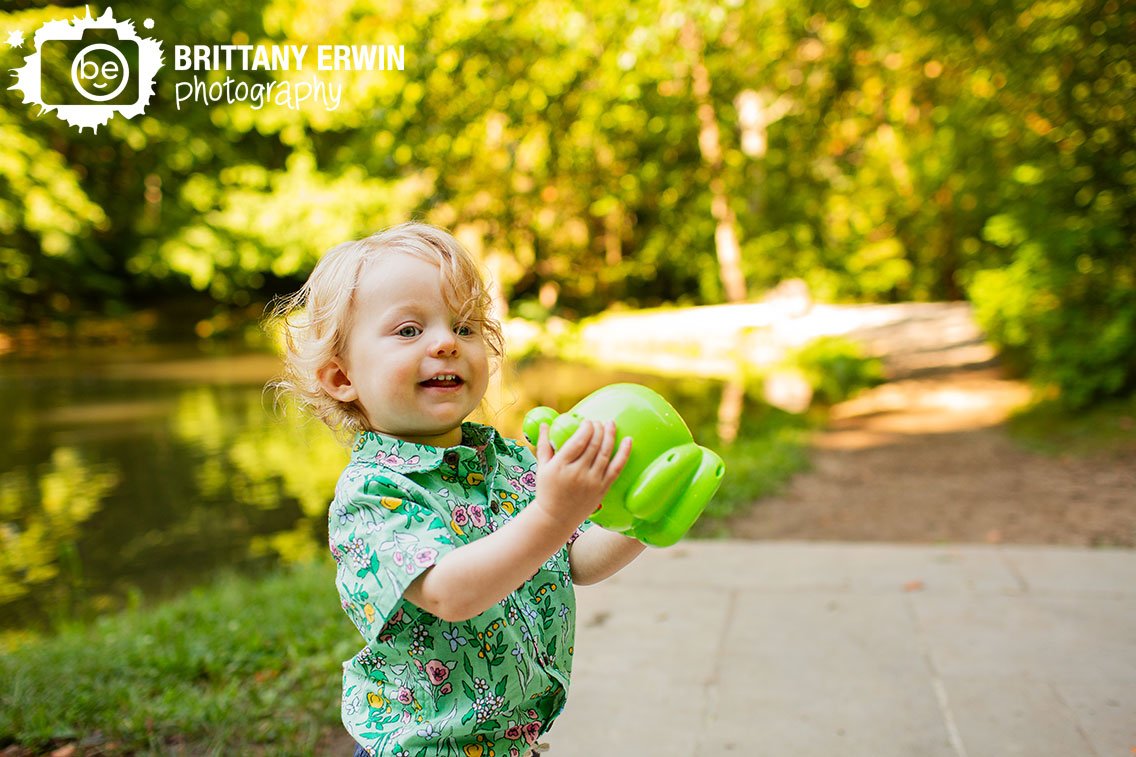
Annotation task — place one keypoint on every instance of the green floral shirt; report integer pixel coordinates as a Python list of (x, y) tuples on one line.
[(424, 687)]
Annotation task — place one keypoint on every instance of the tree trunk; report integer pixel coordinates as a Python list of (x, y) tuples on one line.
[(725, 233)]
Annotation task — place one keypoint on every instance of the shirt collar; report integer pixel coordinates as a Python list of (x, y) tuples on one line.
[(479, 441)]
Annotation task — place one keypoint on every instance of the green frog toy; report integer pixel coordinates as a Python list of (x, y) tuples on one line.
[(668, 478)]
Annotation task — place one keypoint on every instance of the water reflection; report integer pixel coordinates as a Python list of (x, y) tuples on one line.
[(41, 511), (146, 472)]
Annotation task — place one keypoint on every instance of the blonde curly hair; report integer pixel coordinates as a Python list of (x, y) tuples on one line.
[(316, 319)]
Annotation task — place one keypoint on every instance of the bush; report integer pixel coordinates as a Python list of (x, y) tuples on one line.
[(1064, 309), (836, 368)]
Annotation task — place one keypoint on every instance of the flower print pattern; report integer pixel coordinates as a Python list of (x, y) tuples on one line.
[(351, 706), (420, 686), (407, 553), (461, 517), (345, 515), (488, 706), (532, 731), (438, 672), (509, 501), (455, 638), (394, 461)]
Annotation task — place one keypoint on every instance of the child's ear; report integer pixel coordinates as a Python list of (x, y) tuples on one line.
[(335, 381)]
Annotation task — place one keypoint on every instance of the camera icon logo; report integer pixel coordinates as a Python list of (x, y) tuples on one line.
[(88, 70)]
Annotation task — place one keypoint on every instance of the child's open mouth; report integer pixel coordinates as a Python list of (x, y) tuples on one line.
[(443, 381)]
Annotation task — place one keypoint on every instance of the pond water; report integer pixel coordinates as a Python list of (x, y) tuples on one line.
[(139, 472)]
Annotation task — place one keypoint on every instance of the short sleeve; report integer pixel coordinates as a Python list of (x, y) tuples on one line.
[(580, 529), (381, 540)]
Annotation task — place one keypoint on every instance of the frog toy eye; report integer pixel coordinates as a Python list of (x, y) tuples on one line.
[(536, 418)]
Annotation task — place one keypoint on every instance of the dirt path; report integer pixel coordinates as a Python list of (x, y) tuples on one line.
[(925, 458)]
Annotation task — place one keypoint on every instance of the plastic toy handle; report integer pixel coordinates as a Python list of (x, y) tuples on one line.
[(679, 519), (663, 482)]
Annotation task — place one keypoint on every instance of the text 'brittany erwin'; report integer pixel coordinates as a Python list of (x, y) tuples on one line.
[(288, 57)]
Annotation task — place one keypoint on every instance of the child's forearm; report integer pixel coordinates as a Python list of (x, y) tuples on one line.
[(478, 575), (600, 554)]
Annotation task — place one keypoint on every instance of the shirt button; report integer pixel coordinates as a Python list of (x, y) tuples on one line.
[(496, 508)]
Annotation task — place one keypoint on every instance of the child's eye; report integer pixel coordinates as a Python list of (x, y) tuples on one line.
[(463, 329), (409, 331)]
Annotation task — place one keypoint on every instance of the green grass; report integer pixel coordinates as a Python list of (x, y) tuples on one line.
[(1105, 429), (240, 667)]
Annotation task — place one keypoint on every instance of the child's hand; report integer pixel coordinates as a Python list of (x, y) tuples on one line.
[(572, 481)]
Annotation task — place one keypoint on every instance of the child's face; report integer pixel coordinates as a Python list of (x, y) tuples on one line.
[(416, 371)]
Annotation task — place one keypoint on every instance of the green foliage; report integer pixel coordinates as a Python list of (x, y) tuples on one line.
[(1064, 304), (239, 664), (1072, 331), (925, 151), (837, 368)]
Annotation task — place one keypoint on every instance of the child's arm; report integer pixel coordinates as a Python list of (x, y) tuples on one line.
[(570, 482), (599, 554)]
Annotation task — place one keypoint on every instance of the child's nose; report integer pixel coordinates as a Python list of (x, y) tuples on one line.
[(445, 343)]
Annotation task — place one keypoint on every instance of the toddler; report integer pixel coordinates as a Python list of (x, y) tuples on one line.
[(456, 549)]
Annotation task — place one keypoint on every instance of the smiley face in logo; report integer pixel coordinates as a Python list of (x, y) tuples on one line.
[(101, 72)]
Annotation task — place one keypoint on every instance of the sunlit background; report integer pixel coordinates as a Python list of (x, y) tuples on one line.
[(610, 164)]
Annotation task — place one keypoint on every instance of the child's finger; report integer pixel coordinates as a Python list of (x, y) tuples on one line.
[(543, 445), (595, 443), (615, 467), (607, 444), (576, 444)]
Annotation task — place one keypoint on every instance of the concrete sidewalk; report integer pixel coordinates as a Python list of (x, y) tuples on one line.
[(799, 649)]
